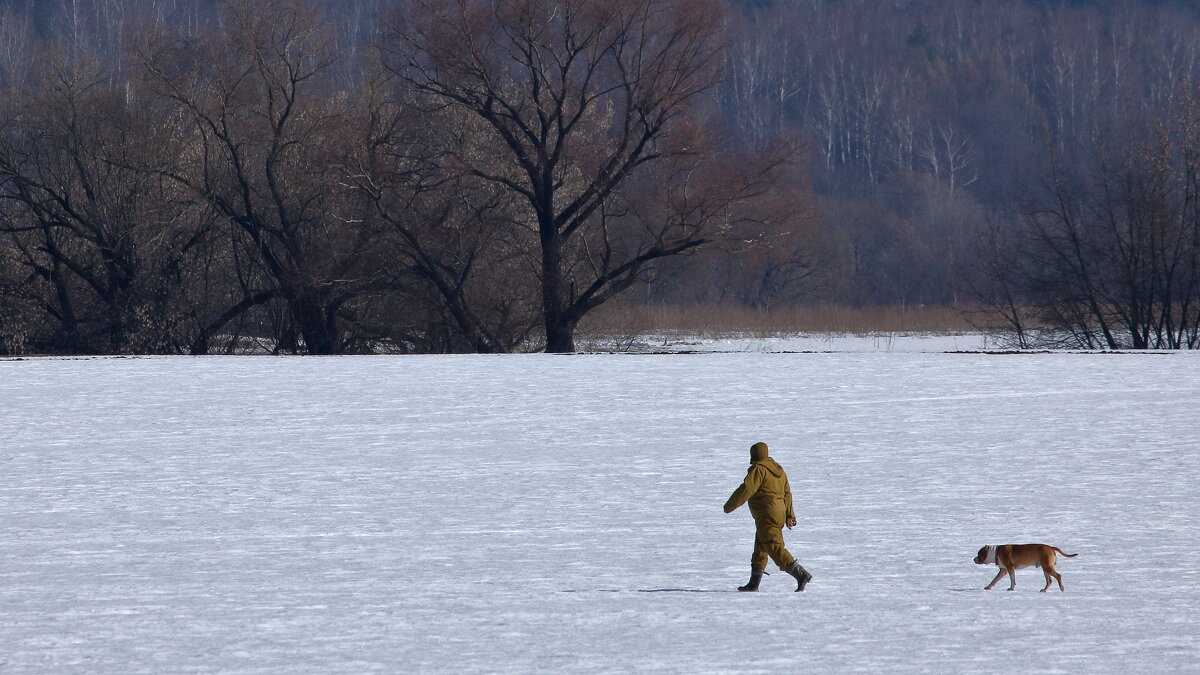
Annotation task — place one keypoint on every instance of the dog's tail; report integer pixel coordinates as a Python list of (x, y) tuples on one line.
[(1069, 555)]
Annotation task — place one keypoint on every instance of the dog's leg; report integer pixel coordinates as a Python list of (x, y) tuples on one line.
[(1050, 571), (1012, 576), (999, 576), (1047, 564)]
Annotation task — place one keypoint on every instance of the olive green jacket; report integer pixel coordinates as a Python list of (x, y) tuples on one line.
[(766, 488)]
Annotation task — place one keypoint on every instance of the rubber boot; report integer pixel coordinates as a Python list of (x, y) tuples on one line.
[(755, 577), (801, 574)]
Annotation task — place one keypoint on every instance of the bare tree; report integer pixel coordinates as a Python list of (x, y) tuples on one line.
[(577, 99), (1109, 255), (448, 231), (98, 238), (263, 115)]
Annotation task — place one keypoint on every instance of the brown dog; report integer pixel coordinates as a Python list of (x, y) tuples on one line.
[(1011, 557)]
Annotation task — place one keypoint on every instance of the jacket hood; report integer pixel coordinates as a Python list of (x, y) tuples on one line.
[(758, 452), (771, 466)]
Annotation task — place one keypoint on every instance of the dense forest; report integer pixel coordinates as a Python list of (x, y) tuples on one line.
[(184, 176)]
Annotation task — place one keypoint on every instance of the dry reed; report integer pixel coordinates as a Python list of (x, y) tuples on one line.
[(724, 320)]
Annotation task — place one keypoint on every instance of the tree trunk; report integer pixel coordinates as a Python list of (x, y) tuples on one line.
[(560, 335), (560, 328), (320, 336)]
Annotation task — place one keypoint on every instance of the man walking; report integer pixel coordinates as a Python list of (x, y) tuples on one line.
[(766, 488)]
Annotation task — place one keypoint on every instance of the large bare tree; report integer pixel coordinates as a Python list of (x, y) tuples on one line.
[(578, 101)]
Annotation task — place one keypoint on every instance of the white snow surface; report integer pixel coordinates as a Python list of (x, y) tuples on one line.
[(539, 513)]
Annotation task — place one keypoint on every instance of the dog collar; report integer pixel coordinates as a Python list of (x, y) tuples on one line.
[(991, 555)]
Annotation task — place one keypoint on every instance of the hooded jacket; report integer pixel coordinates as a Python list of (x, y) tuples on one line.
[(765, 488)]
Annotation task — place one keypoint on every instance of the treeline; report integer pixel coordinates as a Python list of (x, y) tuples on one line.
[(479, 179), (361, 175), (925, 121)]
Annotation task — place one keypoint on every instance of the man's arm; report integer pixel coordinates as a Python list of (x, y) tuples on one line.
[(790, 517), (746, 490)]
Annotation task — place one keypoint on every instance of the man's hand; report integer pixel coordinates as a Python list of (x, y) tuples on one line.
[(791, 522)]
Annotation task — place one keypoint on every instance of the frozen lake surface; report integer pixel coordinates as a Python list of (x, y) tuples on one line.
[(563, 513)]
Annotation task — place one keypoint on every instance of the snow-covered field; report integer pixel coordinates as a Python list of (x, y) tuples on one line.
[(563, 513)]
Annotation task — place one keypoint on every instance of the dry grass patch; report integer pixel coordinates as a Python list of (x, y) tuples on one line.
[(627, 320)]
